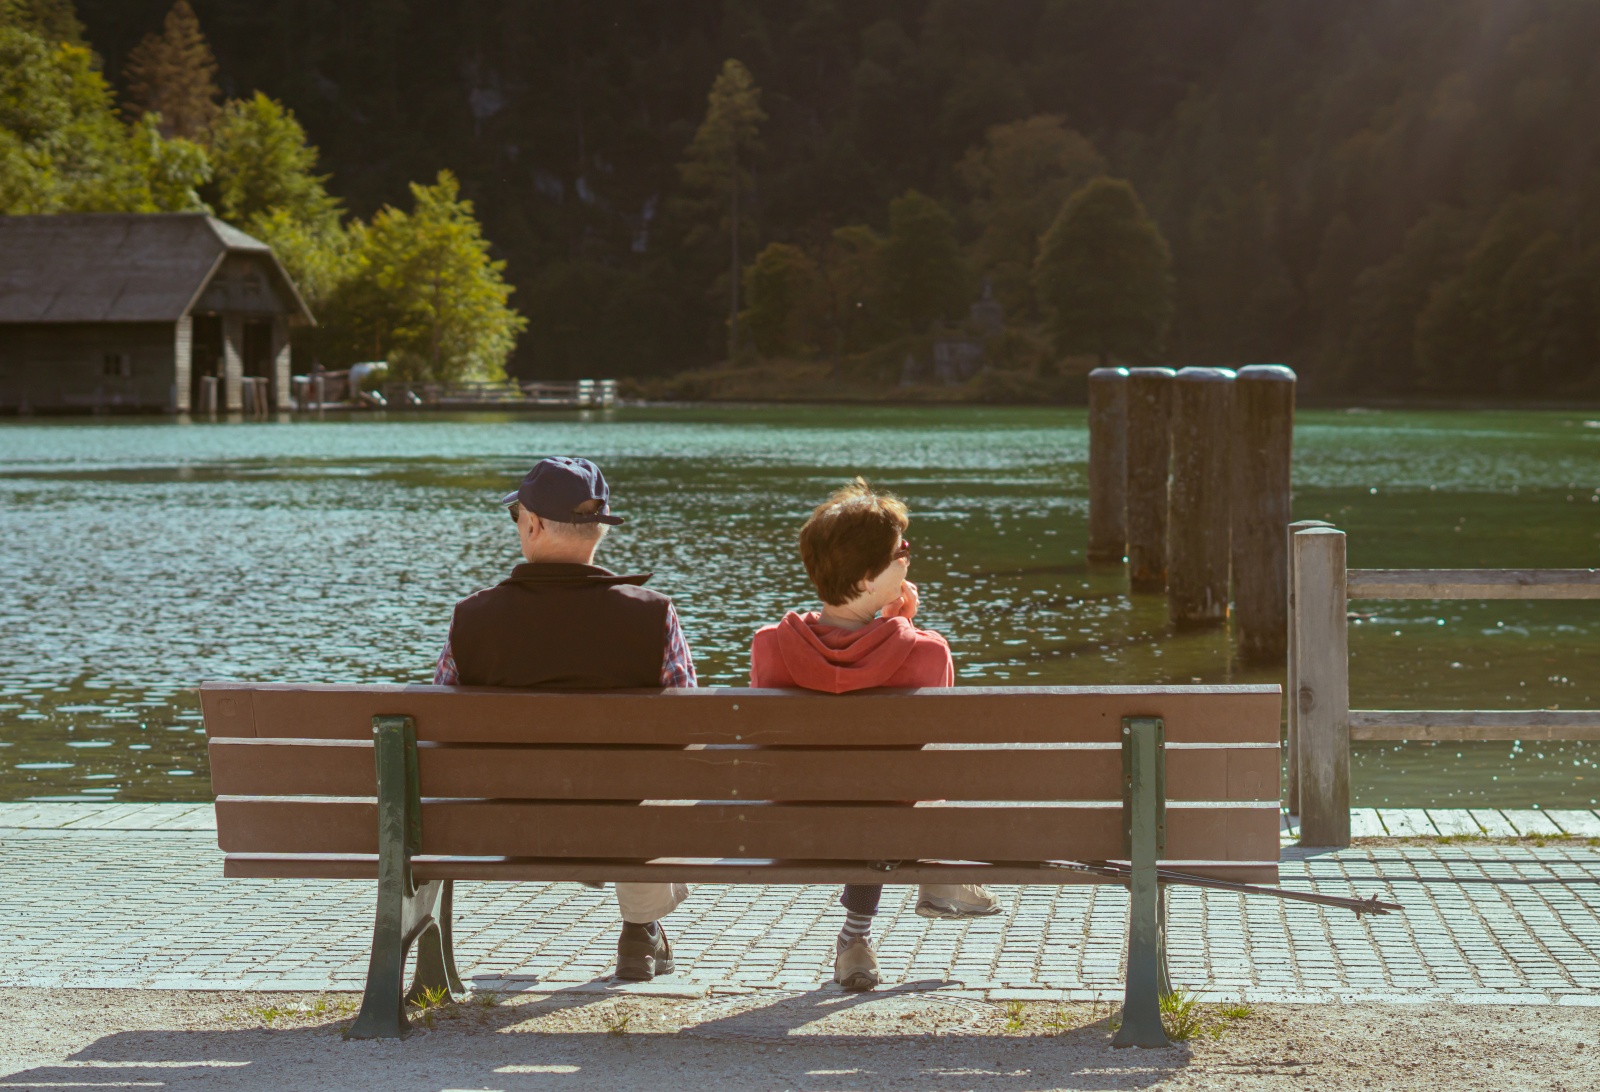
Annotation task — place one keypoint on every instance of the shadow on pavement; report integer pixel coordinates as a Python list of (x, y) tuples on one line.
[(904, 1038)]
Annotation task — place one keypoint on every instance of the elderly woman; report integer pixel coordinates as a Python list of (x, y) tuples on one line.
[(855, 551)]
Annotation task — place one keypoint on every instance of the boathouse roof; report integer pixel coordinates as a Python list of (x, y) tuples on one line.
[(128, 267)]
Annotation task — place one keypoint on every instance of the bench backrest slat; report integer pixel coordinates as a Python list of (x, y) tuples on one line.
[(526, 829), (1198, 714), (262, 767)]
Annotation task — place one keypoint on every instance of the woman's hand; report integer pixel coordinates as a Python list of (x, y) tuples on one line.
[(906, 605)]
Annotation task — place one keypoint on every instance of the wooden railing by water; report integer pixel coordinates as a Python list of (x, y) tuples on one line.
[(1322, 724)]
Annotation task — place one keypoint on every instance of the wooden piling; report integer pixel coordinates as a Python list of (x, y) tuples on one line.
[(1149, 456), (1108, 464), (1322, 695), (1263, 437), (208, 395), (1291, 685), (1198, 520)]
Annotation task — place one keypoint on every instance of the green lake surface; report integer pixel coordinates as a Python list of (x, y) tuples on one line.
[(138, 558)]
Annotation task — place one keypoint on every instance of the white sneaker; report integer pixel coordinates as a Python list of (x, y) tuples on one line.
[(956, 900)]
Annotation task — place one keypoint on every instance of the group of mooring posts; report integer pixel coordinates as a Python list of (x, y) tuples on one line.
[(1189, 483)]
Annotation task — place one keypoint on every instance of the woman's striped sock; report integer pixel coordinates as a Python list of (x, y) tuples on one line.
[(856, 927)]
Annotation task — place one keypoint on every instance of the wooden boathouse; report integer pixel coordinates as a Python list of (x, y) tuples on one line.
[(131, 312)]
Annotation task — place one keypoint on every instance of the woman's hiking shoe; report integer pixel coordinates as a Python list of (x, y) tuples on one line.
[(855, 966), (956, 900), (642, 955)]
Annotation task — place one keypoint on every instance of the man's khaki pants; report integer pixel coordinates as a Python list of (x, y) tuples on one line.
[(642, 903)]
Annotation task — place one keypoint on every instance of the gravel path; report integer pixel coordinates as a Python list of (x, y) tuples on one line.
[(774, 1040)]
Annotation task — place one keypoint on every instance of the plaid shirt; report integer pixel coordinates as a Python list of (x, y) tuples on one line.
[(677, 663)]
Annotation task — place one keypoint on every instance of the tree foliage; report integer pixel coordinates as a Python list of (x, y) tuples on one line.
[(716, 166), (173, 74), (265, 165), (1104, 275), (924, 270), (1321, 172), (1019, 178), (781, 288), (62, 146), (424, 294)]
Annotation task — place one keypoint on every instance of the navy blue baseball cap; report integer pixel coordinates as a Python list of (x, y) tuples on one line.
[(555, 488)]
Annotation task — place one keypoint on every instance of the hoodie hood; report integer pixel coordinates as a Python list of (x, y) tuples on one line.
[(836, 660)]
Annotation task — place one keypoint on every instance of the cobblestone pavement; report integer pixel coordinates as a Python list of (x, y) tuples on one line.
[(133, 896)]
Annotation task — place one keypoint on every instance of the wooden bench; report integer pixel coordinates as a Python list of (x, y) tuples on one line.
[(419, 786)]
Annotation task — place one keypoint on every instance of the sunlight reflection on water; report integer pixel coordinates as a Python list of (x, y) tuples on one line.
[(141, 557)]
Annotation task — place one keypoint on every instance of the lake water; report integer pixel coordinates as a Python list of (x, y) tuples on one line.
[(140, 557)]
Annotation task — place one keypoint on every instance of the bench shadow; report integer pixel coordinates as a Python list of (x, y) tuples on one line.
[(760, 1043)]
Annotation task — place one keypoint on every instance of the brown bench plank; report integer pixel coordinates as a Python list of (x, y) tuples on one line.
[(345, 768), (502, 828), (1196, 714), (554, 870)]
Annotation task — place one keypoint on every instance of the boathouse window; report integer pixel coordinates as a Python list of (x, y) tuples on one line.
[(117, 365)]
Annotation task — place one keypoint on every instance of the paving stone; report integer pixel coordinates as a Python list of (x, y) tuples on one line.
[(1584, 824), (107, 896), (1528, 821)]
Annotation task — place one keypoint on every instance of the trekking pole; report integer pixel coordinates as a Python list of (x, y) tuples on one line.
[(1166, 875)]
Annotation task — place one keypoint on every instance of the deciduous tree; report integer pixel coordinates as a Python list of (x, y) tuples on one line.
[(782, 294), (424, 293), (1019, 179), (924, 272), (1104, 275)]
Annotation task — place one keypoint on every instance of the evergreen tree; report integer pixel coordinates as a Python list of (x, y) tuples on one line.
[(1104, 275), (173, 74), (716, 163), (423, 293), (924, 273)]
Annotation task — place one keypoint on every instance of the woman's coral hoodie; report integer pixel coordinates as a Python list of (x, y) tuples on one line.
[(801, 651)]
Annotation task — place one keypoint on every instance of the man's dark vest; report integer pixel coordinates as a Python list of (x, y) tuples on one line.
[(568, 627)]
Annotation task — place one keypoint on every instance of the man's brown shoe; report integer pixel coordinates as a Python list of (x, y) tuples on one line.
[(640, 956), (855, 966)]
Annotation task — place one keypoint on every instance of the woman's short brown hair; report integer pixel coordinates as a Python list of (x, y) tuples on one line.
[(850, 539)]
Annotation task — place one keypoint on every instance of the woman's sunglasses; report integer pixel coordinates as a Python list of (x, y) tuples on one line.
[(903, 552)]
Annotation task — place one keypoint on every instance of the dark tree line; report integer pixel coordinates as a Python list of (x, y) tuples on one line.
[(1392, 195)]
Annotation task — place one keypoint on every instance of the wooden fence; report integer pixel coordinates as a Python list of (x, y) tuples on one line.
[(1322, 724)]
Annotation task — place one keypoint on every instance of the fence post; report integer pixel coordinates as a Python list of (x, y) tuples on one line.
[(1322, 693), (1291, 682), (1263, 434), (1149, 463), (1198, 509), (1108, 465)]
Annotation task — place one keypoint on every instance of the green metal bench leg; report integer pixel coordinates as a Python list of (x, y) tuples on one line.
[(436, 962), (405, 913), (1141, 1006)]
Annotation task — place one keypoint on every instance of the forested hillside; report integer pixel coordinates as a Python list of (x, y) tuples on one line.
[(1392, 195)]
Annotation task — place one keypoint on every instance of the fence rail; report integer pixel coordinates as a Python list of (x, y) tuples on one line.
[(1473, 584), (1321, 723), (1474, 724)]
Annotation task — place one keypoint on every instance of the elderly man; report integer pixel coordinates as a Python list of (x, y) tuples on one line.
[(562, 622)]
